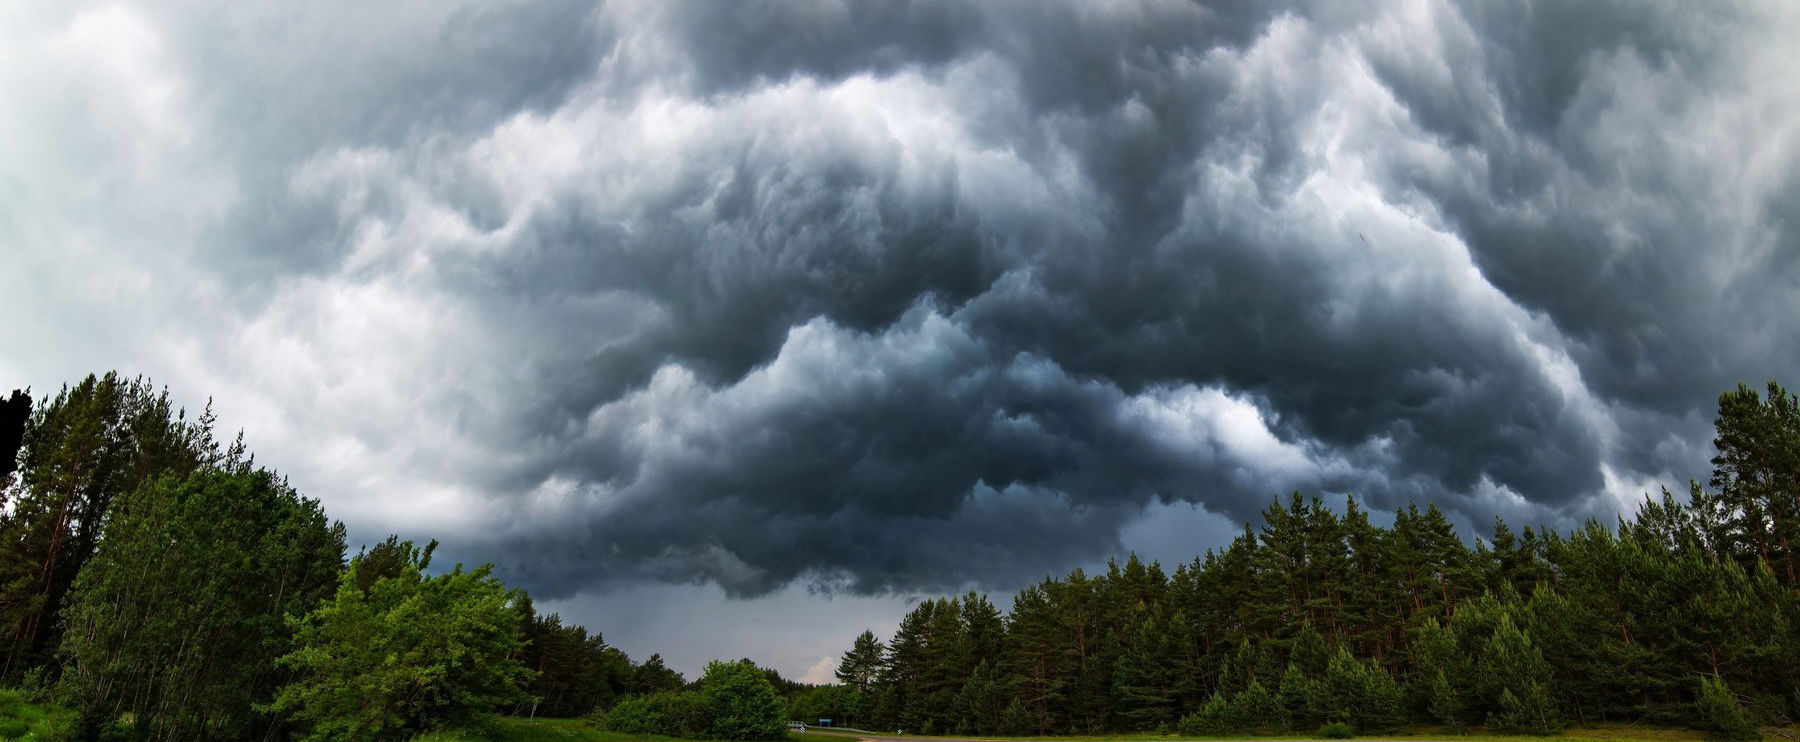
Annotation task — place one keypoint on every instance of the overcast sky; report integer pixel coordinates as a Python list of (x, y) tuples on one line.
[(729, 328)]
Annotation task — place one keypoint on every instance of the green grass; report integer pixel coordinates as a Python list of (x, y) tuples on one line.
[(24, 721), (570, 730), (552, 730), (1597, 733)]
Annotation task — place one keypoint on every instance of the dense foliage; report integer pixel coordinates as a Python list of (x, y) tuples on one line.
[(732, 701), (91, 443), (177, 619), (406, 653), (160, 586), (576, 672), (1689, 613)]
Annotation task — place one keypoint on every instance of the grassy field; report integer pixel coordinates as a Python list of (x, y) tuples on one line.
[(1602, 733), (24, 721), (546, 730)]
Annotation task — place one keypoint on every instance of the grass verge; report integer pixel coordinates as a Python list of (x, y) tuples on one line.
[(24, 721)]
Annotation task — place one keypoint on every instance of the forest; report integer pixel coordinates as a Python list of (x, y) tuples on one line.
[(157, 583), (1686, 614)]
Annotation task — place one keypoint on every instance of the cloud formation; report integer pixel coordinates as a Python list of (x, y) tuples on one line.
[(894, 296)]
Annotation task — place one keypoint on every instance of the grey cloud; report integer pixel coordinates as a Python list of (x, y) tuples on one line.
[(894, 296)]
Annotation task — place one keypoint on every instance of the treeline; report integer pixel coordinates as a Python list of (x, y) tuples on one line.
[(1687, 614), (162, 586)]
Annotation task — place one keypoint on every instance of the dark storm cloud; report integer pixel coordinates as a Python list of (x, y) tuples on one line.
[(891, 296)]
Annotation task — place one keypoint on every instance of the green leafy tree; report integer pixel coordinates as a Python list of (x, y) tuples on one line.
[(178, 619), (410, 653), (739, 703), (94, 441)]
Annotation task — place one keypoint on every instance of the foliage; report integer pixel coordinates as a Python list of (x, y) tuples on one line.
[(1337, 730), (88, 445), (1210, 719), (676, 714), (735, 701), (739, 703), (1719, 713), (21, 717), (576, 672), (1338, 619), (407, 654), (860, 665), (178, 618)]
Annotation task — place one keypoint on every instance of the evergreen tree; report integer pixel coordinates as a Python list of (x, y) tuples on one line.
[(655, 677), (1144, 678), (1720, 714), (1756, 479), (1295, 696), (862, 664)]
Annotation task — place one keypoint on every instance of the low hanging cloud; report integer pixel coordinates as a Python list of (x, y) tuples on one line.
[(893, 296)]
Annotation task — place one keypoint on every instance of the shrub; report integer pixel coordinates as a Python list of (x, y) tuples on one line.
[(740, 704), (13, 728), (1720, 714), (1210, 719), (735, 702), (676, 714), (1337, 730)]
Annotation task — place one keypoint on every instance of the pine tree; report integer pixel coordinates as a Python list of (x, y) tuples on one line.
[(1720, 714), (1144, 678), (862, 664), (1445, 701), (1295, 696), (1519, 671)]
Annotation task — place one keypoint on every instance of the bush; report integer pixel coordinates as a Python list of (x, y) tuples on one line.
[(735, 702), (675, 714), (1720, 714), (740, 704), (1337, 730), (21, 718)]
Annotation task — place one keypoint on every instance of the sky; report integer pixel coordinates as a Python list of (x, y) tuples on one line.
[(732, 329)]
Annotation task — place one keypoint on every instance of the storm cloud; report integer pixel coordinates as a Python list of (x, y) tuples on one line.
[(880, 297)]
